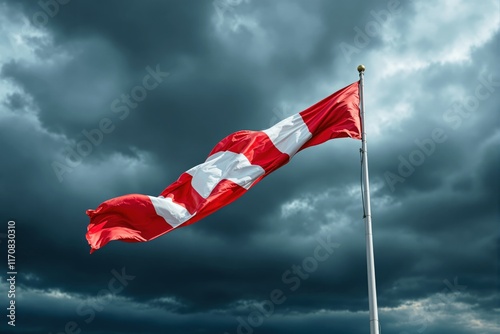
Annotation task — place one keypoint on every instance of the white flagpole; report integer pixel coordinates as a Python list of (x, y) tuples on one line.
[(372, 289)]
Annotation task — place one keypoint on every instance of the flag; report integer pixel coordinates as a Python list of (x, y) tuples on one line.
[(233, 166)]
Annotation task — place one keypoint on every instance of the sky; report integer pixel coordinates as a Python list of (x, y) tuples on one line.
[(104, 98)]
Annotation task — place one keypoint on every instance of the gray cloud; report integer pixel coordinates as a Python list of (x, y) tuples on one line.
[(244, 65)]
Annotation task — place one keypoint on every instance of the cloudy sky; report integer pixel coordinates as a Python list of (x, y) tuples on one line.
[(432, 87)]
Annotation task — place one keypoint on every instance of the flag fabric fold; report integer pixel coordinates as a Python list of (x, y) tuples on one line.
[(234, 165)]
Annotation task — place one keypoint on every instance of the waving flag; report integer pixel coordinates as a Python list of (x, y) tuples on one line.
[(235, 165)]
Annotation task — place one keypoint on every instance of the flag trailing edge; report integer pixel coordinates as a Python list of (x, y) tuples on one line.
[(235, 164)]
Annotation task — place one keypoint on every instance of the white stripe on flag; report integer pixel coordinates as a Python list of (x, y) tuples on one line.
[(289, 135), (223, 166), (173, 213)]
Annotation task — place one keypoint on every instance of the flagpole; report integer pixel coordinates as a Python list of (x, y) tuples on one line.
[(370, 263)]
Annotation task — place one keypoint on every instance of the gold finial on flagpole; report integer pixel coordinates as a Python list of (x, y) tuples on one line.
[(361, 68)]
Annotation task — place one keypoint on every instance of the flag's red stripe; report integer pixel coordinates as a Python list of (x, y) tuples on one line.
[(129, 218), (336, 116), (182, 193)]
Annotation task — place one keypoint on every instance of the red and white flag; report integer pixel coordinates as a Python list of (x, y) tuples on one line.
[(235, 165)]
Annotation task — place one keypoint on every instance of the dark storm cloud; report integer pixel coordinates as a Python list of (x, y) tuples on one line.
[(235, 65)]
